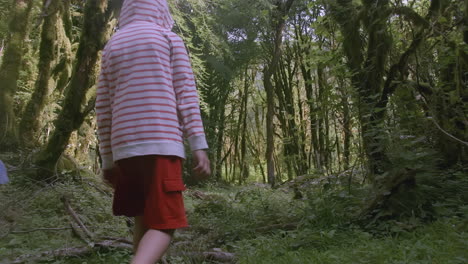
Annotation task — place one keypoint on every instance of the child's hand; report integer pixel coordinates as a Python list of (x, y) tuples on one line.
[(202, 164)]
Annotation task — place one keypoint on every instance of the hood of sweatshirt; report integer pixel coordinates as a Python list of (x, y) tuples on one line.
[(146, 11)]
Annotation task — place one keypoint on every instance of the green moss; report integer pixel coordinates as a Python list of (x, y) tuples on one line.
[(259, 225), (439, 242)]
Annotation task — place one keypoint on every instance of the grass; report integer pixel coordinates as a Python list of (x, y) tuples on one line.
[(438, 242), (31, 208), (259, 225)]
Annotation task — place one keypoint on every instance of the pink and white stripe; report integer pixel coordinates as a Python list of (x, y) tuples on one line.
[(146, 95)]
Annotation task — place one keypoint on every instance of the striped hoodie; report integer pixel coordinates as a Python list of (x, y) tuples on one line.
[(146, 96)]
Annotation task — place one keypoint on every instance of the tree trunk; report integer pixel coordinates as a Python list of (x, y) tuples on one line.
[(236, 159), (293, 136), (221, 124), (449, 110), (346, 128), (63, 69), (257, 136), (9, 71), (378, 48), (269, 127), (31, 121), (321, 124), (96, 25), (302, 49), (279, 22), (216, 94), (314, 149), (243, 162), (465, 31), (368, 73)]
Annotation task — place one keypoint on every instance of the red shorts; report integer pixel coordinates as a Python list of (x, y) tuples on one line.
[(151, 186)]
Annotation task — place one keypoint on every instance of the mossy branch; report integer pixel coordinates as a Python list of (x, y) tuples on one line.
[(411, 15)]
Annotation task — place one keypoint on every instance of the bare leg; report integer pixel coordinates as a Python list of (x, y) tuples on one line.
[(152, 246), (139, 231)]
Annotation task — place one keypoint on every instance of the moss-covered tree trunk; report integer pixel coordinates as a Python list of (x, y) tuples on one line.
[(216, 96), (368, 70), (302, 50), (448, 100), (314, 153), (279, 16), (345, 13), (294, 137), (244, 164), (9, 71), (48, 54), (219, 134), (95, 28), (378, 48), (269, 127), (321, 121), (347, 133), (465, 30), (63, 68)]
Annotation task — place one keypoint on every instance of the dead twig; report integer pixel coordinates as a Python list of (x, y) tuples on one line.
[(118, 239), (80, 234), (106, 192), (75, 217), (39, 229)]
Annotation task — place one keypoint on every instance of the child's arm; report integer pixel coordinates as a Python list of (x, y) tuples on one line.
[(188, 106), (104, 117), (186, 95)]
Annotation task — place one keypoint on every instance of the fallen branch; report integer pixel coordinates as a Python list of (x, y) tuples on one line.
[(118, 239), (114, 244), (80, 234), (75, 217), (39, 229), (107, 191)]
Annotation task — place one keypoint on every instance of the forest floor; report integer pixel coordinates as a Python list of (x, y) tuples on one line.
[(240, 224)]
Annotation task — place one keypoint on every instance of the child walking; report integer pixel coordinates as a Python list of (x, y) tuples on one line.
[(146, 105)]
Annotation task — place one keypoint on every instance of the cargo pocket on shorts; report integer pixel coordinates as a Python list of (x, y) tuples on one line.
[(173, 185), (174, 201)]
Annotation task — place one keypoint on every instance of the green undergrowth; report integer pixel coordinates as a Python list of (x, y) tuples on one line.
[(257, 224), (34, 219), (438, 242)]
